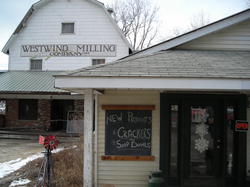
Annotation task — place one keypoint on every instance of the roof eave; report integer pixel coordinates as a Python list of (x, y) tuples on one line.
[(21, 25), (36, 92), (164, 83)]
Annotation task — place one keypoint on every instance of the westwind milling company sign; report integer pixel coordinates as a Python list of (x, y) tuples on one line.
[(69, 50)]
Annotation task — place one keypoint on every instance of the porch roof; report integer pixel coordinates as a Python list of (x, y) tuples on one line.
[(177, 70), (175, 64), (28, 82)]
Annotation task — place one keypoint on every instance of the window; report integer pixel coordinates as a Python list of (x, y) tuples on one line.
[(98, 61), (36, 64), (2, 107), (230, 121), (68, 28), (28, 109), (174, 141)]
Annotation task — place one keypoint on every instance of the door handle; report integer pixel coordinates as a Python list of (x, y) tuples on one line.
[(218, 142)]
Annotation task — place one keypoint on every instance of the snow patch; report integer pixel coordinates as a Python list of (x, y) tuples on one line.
[(13, 165), (19, 182)]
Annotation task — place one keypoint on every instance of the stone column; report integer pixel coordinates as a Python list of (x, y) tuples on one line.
[(44, 113)]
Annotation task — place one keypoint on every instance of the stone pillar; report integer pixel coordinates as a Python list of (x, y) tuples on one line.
[(11, 112), (44, 113), (88, 139)]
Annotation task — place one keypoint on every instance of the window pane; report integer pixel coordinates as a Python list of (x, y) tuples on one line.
[(28, 109), (202, 141), (36, 64), (2, 107), (68, 28), (174, 140), (230, 133), (98, 61)]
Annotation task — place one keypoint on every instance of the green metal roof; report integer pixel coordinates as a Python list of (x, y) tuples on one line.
[(28, 82)]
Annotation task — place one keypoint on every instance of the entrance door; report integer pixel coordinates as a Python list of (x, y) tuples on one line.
[(202, 145), (199, 146), (59, 112)]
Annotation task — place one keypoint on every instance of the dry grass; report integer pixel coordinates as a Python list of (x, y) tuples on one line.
[(67, 166)]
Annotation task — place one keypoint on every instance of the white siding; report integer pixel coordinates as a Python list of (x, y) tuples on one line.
[(92, 26), (128, 173), (236, 37), (248, 144)]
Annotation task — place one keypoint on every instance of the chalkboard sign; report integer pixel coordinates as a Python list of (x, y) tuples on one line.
[(128, 132)]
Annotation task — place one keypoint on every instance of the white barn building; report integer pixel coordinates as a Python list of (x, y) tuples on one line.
[(54, 36)]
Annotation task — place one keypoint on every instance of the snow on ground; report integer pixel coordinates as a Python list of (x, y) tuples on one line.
[(13, 165), (19, 182)]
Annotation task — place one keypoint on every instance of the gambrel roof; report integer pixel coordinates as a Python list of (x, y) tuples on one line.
[(41, 3)]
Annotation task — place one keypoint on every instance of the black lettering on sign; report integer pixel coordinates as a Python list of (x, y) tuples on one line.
[(128, 132)]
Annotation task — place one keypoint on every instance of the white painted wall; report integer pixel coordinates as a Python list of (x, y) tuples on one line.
[(128, 173), (236, 37), (92, 26)]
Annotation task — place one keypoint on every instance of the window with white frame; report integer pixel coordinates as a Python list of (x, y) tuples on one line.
[(36, 64), (98, 61), (68, 28)]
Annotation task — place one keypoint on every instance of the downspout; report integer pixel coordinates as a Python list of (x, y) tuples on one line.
[(96, 141)]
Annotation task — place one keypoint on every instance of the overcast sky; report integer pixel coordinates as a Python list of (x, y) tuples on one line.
[(172, 14)]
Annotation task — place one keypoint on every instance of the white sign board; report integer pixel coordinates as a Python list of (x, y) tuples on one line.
[(69, 50), (75, 122)]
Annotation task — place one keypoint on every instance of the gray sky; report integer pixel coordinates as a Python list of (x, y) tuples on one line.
[(172, 14)]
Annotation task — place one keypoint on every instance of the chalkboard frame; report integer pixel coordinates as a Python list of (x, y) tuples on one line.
[(128, 157)]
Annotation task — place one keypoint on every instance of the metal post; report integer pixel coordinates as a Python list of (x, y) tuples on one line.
[(48, 166)]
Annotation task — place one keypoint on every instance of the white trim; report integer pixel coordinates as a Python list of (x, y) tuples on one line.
[(186, 84), (219, 25)]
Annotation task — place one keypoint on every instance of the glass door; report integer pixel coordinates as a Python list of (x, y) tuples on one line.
[(204, 141), (203, 144)]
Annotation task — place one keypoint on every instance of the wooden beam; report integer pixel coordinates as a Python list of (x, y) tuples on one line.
[(88, 139), (40, 96), (129, 158), (128, 107)]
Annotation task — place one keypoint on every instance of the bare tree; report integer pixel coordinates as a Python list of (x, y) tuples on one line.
[(199, 20), (137, 20), (248, 3)]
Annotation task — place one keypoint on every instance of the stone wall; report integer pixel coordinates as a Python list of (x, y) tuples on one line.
[(43, 118)]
